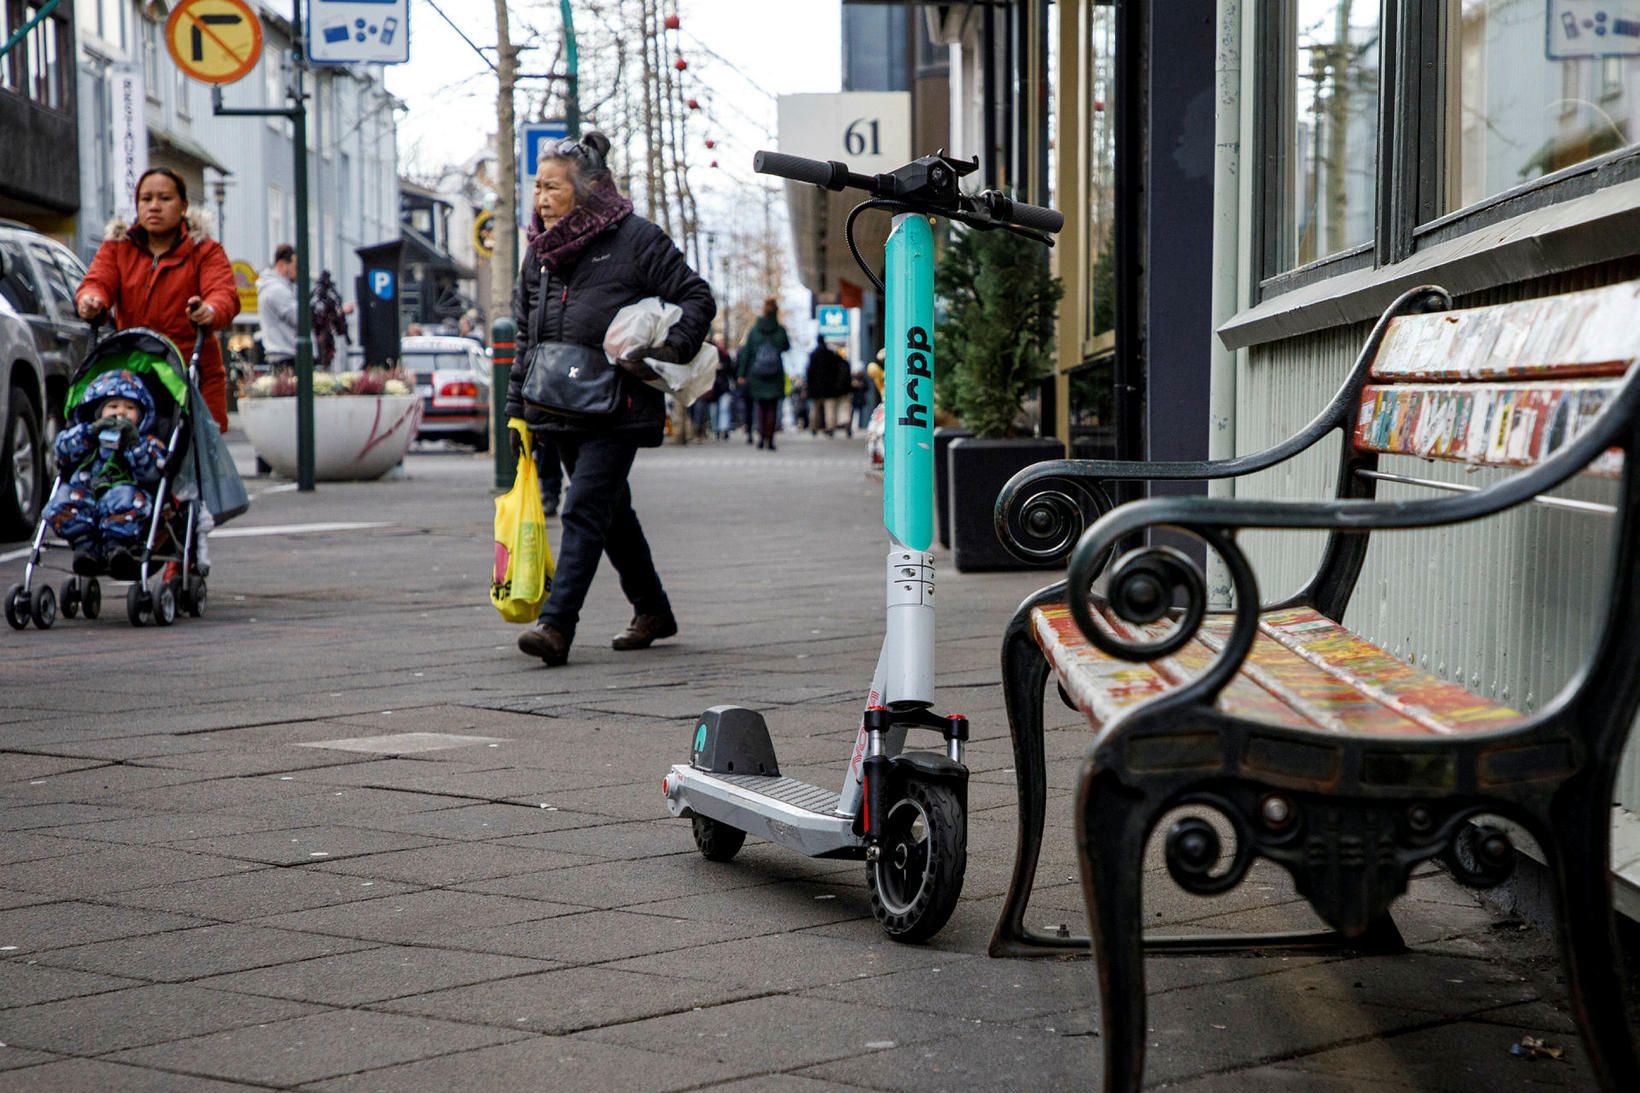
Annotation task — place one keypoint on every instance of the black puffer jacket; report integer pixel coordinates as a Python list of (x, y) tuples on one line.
[(576, 303)]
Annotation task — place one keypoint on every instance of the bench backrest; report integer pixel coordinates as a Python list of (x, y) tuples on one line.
[(1504, 385)]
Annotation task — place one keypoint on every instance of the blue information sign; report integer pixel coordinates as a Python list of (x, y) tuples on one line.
[(346, 32), (382, 283), (537, 140), (833, 320)]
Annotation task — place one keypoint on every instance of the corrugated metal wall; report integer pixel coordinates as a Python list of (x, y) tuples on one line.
[(1505, 606)]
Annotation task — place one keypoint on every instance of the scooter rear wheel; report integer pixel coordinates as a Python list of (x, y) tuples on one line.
[(717, 841), (917, 879)]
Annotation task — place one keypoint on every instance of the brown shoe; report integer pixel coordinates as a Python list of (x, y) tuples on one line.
[(644, 630), (545, 642)]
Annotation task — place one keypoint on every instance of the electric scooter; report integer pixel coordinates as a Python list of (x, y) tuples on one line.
[(903, 812)]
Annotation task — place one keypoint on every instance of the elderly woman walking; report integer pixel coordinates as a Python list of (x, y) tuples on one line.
[(591, 256)]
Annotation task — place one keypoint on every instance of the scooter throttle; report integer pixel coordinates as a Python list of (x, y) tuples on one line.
[(818, 172)]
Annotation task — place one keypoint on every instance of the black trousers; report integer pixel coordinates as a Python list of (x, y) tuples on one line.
[(597, 519), (545, 451)]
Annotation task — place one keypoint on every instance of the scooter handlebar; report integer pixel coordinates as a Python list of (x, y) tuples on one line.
[(817, 172), (1035, 217)]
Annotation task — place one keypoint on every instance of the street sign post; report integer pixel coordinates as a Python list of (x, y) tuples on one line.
[(214, 41), (345, 32), (537, 140)]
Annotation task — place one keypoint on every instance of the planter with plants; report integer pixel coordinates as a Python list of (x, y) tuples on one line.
[(363, 422), (995, 348)]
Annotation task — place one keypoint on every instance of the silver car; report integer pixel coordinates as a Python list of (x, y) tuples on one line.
[(453, 379), (41, 342)]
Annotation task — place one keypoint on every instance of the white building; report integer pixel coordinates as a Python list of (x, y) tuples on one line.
[(240, 169)]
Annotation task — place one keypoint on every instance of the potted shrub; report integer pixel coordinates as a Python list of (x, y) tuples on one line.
[(363, 422), (996, 346)]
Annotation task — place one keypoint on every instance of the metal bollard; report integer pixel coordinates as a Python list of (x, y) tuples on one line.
[(503, 335)]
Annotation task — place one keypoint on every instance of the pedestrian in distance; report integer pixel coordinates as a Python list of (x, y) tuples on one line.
[(727, 390), (762, 367), (588, 257), (828, 383), (329, 321), (276, 309), (167, 274), (797, 390)]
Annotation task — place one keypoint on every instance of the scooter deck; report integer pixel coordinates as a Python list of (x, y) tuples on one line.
[(787, 790), (785, 811)]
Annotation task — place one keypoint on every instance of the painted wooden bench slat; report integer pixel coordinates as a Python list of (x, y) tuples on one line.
[(1514, 424), (1305, 671), (1586, 333)]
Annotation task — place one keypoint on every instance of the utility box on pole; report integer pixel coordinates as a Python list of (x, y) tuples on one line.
[(377, 292)]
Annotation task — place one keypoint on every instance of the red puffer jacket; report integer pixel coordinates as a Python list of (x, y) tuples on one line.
[(146, 291)]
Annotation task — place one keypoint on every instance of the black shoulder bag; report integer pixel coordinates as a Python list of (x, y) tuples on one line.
[(568, 379), (571, 380)]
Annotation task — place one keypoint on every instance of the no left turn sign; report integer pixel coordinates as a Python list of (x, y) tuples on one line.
[(214, 41)]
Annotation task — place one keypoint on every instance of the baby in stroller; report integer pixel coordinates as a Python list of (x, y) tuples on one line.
[(104, 505)]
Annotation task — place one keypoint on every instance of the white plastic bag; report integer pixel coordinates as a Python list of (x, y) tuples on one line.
[(647, 323)]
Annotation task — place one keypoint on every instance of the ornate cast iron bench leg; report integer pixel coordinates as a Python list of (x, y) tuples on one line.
[(1579, 839), (1111, 827), (1024, 679)]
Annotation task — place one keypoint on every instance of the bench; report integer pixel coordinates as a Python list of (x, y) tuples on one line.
[(1317, 749)]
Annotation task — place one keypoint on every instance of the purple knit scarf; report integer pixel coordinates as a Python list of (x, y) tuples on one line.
[(604, 208)]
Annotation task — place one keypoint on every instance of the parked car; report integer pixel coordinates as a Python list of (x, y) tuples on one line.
[(453, 379), (41, 342)]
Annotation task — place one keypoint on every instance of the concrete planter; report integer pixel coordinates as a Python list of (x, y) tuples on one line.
[(978, 470), (355, 437)]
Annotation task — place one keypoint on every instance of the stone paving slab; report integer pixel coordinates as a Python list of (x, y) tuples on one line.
[(571, 999), (59, 925), (74, 1075), (376, 976), (308, 1049), (254, 895), (419, 917), (149, 1014), (182, 955), (572, 1063)]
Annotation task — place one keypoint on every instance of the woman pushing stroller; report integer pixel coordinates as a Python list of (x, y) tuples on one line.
[(166, 274)]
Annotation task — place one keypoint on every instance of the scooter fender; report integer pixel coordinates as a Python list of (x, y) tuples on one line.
[(900, 769), (929, 767)]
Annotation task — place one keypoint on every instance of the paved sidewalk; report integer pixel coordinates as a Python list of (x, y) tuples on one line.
[(228, 862)]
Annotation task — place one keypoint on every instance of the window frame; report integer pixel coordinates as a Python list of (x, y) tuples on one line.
[(1416, 54)]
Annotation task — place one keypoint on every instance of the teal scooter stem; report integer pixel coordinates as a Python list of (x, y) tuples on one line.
[(903, 812)]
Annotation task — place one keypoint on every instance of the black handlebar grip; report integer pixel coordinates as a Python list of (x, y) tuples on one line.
[(1037, 217), (817, 172)]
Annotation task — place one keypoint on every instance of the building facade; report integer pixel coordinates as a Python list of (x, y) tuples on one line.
[(1487, 146), (39, 184), (239, 169)]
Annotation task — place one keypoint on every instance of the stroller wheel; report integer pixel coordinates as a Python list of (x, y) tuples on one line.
[(17, 607), (45, 607), (136, 605), (90, 597), (194, 598), (164, 598), (68, 600)]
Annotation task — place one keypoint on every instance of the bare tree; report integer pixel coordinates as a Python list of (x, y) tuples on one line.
[(504, 262)]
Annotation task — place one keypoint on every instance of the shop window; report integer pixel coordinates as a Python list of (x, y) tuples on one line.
[(151, 51), (1325, 92), (1538, 88)]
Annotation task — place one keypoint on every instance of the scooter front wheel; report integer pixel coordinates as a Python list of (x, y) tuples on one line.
[(717, 841), (917, 877)]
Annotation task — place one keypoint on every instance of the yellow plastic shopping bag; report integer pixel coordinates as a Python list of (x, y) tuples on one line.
[(523, 559)]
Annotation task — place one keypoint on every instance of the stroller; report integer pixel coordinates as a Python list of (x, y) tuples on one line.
[(170, 534)]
